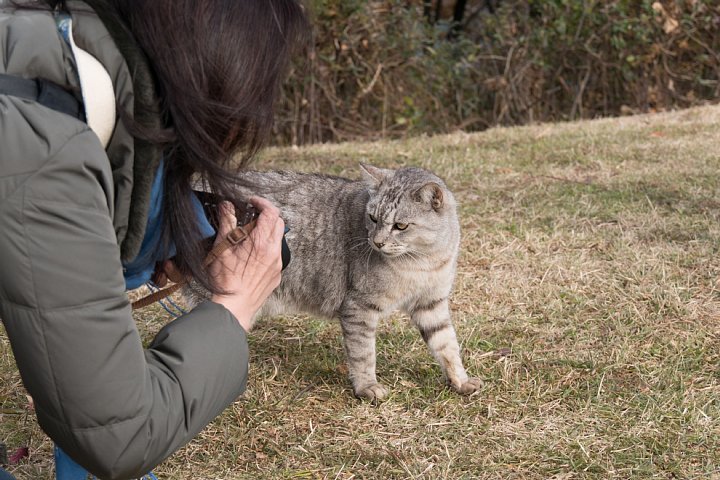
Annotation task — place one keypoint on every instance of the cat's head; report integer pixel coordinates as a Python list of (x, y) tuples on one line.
[(410, 212)]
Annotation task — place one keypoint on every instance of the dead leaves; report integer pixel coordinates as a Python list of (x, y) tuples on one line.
[(670, 24)]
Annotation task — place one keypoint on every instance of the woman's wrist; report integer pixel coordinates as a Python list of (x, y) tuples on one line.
[(242, 315)]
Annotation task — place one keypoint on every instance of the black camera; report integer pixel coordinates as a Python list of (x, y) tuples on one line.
[(245, 213)]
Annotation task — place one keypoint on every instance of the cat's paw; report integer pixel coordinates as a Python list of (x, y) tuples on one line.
[(470, 386), (374, 392)]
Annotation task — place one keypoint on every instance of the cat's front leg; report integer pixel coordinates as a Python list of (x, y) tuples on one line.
[(358, 329), (432, 318)]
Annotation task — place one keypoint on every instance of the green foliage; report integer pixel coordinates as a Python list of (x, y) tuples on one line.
[(379, 69)]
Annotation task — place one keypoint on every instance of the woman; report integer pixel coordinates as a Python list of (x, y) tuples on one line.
[(193, 84)]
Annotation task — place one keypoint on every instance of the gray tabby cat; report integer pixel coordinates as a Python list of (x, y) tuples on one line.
[(363, 249)]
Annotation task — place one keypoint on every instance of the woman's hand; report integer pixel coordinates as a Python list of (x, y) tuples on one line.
[(250, 271)]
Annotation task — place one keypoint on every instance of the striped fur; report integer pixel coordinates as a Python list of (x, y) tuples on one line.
[(351, 261)]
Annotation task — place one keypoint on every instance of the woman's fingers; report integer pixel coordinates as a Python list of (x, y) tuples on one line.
[(269, 214), (171, 272), (252, 270), (264, 205), (268, 232), (227, 219), (159, 278)]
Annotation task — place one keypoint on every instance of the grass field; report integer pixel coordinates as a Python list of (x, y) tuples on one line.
[(587, 299)]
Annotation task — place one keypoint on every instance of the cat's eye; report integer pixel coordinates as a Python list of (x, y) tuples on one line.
[(401, 226), (373, 218)]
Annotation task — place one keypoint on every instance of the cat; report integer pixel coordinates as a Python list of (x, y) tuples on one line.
[(362, 249)]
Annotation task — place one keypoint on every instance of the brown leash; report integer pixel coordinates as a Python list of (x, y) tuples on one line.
[(237, 235)]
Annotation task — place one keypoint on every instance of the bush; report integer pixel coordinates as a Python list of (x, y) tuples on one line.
[(379, 69)]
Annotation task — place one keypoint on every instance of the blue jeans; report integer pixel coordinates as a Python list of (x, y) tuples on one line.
[(5, 475), (67, 469)]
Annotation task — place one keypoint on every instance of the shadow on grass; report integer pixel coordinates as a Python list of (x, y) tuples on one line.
[(303, 351), (307, 354)]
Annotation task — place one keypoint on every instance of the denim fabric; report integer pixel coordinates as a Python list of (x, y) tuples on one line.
[(5, 475), (138, 271), (66, 468)]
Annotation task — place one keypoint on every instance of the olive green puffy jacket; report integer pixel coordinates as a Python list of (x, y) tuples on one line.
[(69, 211)]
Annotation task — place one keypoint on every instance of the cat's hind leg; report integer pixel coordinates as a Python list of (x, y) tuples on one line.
[(432, 318), (359, 324)]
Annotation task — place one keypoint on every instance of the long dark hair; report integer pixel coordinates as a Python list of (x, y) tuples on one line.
[(218, 65)]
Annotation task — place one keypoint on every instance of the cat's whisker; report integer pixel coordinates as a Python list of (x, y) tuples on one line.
[(367, 261), (360, 244), (420, 255), (409, 257), (357, 242), (412, 255)]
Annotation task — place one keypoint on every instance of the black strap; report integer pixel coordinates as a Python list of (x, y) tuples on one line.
[(44, 92)]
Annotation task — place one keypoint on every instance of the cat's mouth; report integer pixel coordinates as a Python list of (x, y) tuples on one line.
[(390, 253)]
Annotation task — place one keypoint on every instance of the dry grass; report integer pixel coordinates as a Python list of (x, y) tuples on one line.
[(587, 299)]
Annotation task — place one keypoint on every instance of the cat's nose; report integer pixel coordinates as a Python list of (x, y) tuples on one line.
[(379, 244)]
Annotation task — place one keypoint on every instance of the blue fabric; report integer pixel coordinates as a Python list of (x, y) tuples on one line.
[(5, 475), (138, 271), (63, 22), (66, 468)]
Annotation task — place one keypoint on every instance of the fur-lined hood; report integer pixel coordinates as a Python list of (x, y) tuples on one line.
[(145, 113)]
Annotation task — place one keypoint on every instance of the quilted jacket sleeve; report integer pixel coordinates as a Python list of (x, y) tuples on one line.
[(116, 408)]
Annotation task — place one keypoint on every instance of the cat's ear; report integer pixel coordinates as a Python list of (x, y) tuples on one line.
[(431, 193), (373, 175)]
